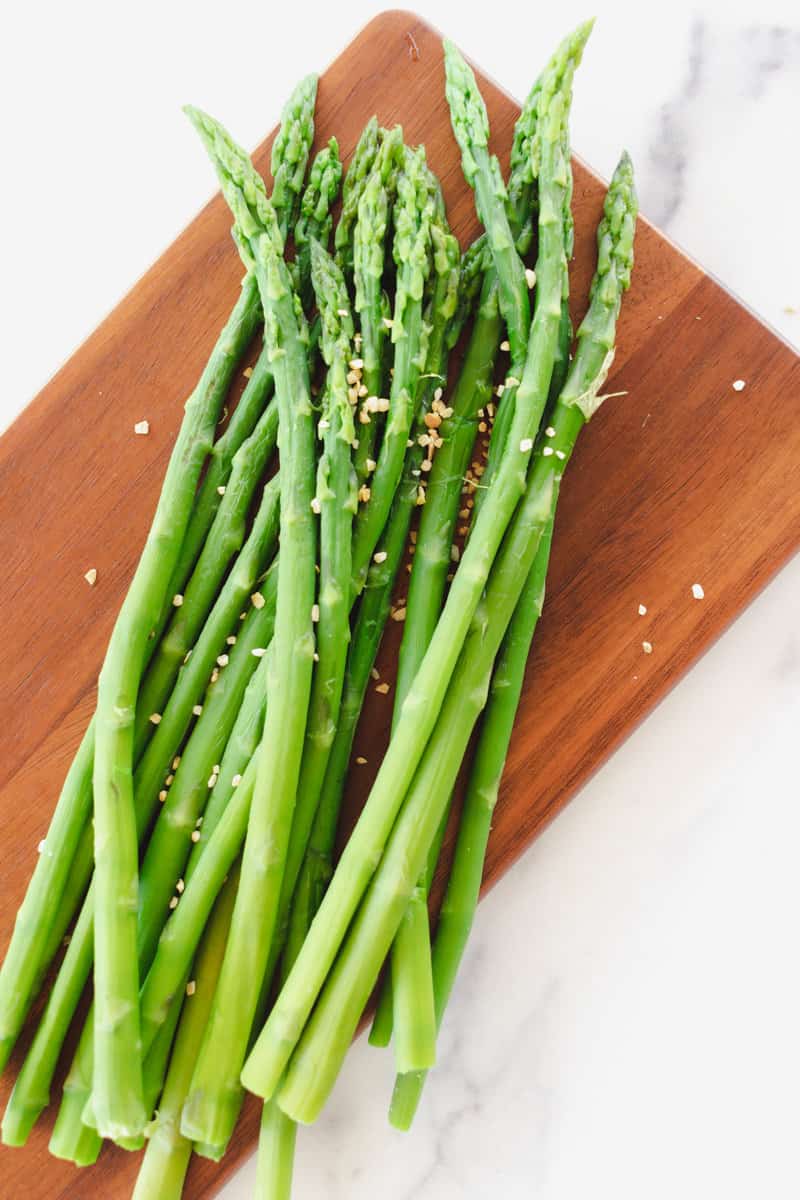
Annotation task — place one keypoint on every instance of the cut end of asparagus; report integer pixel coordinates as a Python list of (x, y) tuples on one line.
[(207, 1150), (72, 1140), (405, 1100), (18, 1121)]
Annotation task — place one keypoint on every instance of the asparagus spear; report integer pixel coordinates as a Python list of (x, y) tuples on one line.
[(276, 1142), (414, 210), (32, 1088), (191, 616), (180, 935), (316, 1061), (166, 1158), (370, 300), (524, 157), (290, 152), (169, 842), (24, 963), (337, 502), (411, 953), (486, 772), (355, 180), (119, 1103), (424, 700), (289, 159), (205, 1117), (482, 172), (72, 808), (196, 774), (25, 1104), (242, 745)]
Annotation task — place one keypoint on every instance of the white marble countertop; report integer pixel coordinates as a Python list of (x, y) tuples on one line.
[(626, 1022)]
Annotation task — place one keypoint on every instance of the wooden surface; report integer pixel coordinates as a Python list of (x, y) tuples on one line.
[(681, 480)]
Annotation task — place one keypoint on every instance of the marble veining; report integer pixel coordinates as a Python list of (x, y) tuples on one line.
[(672, 147)]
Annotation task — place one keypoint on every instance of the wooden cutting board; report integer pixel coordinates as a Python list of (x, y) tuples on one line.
[(682, 480)]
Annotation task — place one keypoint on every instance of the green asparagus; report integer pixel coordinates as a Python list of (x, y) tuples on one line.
[(424, 700), (411, 954), (25, 961), (355, 180), (166, 1158), (324, 1042), (207, 1113)]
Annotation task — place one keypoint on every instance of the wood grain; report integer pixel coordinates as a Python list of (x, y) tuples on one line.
[(681, 480)]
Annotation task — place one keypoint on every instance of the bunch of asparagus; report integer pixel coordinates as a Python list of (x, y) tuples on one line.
[(191, 853)]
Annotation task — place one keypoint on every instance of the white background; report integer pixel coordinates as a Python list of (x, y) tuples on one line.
[(627, 1020)]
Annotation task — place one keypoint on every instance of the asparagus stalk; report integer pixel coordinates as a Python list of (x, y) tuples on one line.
[(424, 700), (414, 210), (166, 1158), (369, 237), (242, 744), (32, 1088), (458, 907), (355, 180), (487, 769), (309, 867), (180, 935), (206, 1115), (248, 412), (199, 660), (216, 377), (31, 1092), (169, 843), (182, 932), (324, 1042), (276, 1142), (411, 953), (196, 773), (119, 1102), (240, 749), (290, 152), (432, 559), (225, 539), (25, 961), (336, 501)]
